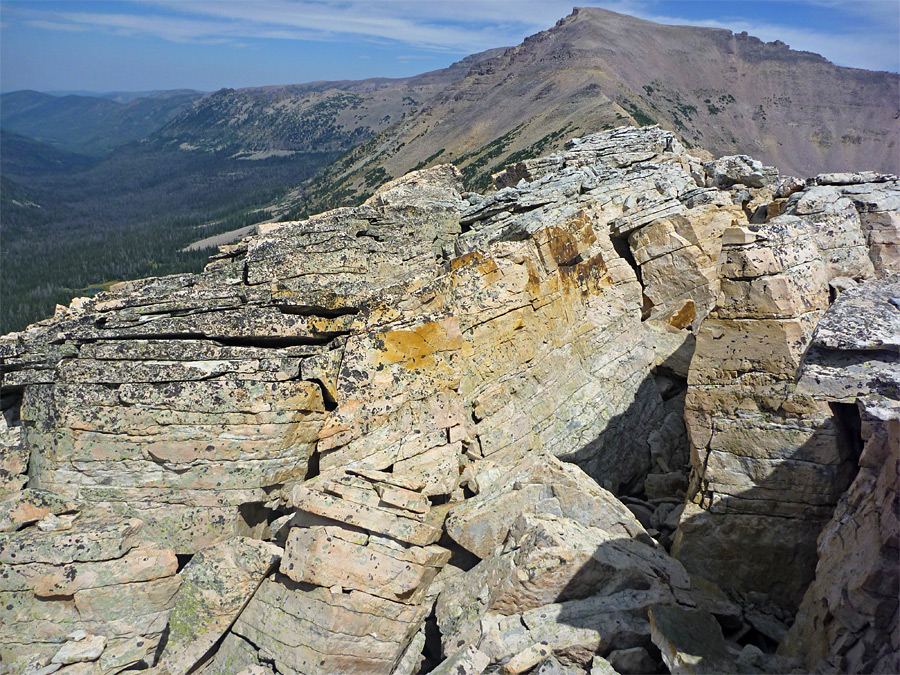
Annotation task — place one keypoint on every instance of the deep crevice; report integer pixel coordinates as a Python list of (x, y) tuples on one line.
[(312, 465), (623, 249), (183, 559), (669, 383), (849, 426), (327, 399), (11, 406), (317, 310), (431, 651), (282, 341)]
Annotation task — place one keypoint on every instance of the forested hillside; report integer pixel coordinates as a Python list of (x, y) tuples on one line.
[(90, 125), (235, 157), (73, 224), (127, 217)]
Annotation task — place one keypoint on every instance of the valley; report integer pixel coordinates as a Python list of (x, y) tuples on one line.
[(153, 175)]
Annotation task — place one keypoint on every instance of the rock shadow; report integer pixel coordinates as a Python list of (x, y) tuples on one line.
[(756, 546)]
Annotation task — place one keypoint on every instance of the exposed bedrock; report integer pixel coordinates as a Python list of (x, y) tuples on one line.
[(454, 431)]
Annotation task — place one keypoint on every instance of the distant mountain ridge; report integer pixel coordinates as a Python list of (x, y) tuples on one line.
[(595, 69), (89, 125), (181, 166), (257, 122), (128, 96)]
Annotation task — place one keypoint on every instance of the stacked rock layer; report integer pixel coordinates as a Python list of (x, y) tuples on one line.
[(453, 431)]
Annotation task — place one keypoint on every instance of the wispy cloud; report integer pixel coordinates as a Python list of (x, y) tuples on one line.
[(870, 49), (458, 26)]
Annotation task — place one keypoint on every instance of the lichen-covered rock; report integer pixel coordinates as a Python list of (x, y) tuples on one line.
[(848, 620), (389, 392), (216, 584), (739, 169), (537, 485), (97, 576), (877, 200), (837, 230), (769, 463), (29, 506), (318, 630), (856, 347), (574, 570)]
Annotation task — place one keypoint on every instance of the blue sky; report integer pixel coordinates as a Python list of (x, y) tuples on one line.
[(141, 45)]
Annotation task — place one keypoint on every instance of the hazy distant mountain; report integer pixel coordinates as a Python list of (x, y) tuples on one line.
[(724, 92), (260, 122), (128, 96), (25, 158), (89, 125)]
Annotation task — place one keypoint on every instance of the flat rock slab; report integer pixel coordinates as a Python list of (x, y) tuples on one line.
[(331, 556), (29, 506), (100, 535), (370, 518), (481, 523), (319, 631), (218, 583), (139, 564), (690, 640)]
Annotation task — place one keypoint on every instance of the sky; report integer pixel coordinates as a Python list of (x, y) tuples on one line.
[(145, 45)]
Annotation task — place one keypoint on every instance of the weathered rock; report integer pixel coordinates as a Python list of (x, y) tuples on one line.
[(768, 463), (13, 458), (346, 383), (855, 350), (878, 203), (575, 570), (217, 583), (600, 666), (739, 169), (29, 506), (318, 631), (836, 228), (468, 661), (97, 577), (631, 661), (408, 528), (690, 641), (537, 485), (527, 659), (848, 620), (80, 647), (329, 556), (550, 666)]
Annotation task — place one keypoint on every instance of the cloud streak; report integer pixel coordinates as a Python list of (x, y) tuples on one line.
[(459, 27)]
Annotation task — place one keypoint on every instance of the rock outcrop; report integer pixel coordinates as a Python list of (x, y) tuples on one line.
[(848, 618), (446, 431)]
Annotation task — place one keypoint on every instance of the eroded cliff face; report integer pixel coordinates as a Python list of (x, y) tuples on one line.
[(446, 430)]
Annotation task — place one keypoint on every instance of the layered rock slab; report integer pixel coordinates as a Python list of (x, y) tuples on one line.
[(92, 573), (848, 620), (372, 368), (769, 464)]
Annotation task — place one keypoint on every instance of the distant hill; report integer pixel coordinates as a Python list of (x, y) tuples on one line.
[(596, 69), (128, 96), (89, 125), (258, 122), (212, 169), (26, 158)]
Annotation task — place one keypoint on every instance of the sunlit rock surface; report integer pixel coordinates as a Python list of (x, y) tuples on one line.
[(455, 431)]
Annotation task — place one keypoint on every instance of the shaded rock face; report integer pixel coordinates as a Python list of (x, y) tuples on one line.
[(444, 429), (848, 618)]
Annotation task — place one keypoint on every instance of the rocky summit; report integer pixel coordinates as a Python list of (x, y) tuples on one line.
[(629, 412)]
